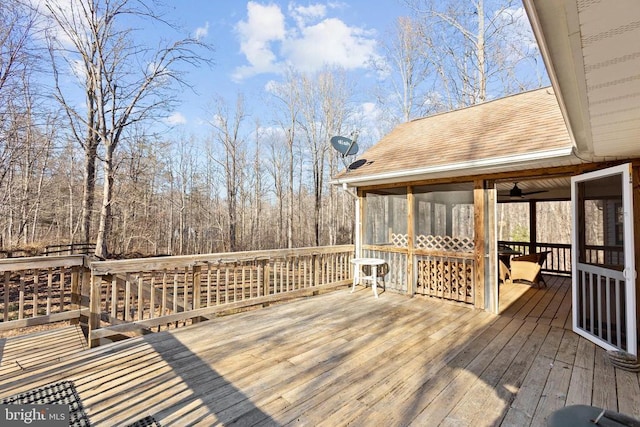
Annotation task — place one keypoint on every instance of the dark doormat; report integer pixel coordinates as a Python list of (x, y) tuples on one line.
[(57, 393), (148, 421)]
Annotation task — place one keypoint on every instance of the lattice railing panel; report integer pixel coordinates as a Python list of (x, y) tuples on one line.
[(400, 240), (444, 243), (446, 278)]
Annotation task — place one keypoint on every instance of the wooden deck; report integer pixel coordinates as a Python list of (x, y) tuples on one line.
[(28, 352), (342, 358)]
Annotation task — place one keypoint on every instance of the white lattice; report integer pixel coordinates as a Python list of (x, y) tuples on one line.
[(400, 240), (444, 243)]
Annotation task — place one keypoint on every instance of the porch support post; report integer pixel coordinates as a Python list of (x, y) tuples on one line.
[(411, 280), (635, 173), (479, 241), (491, 272), (533, 227), (359, 224)]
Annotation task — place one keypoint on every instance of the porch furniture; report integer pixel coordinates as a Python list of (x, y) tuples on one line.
[(503, 271), (539, 258), (505, 253), (525, 270), (368, 269)]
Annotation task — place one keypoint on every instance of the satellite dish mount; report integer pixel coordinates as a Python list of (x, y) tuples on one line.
[(346, 146)]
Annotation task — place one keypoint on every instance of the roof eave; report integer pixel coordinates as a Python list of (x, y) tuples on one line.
[(472, 167), (564, 64)]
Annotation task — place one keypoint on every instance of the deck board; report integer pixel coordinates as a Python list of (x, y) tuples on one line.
[(348, 359), (23, 353)]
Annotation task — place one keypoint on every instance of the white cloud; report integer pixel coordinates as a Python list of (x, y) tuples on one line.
[(176, 118), (202, 32), (306, 40), (264, 25), (67, 9), (330, 41), (303, 15)]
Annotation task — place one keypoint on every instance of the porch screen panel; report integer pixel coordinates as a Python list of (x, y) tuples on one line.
[(600, 281), (385, 219), (444, 221), (385, 234)]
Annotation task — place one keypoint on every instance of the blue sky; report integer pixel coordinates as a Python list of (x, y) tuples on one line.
[(255, 40)]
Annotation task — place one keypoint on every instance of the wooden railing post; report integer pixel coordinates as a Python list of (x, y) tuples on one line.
[(197, 277), (316, 270), (266, 277), (76, 296), (94, 309)]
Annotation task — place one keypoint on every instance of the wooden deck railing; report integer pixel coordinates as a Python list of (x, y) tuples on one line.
[(70, 249), (559, 258), (129, 296), (134, 295), (40, 290)]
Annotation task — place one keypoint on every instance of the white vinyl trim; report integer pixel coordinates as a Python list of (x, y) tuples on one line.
[(502, 161), (628, 275)]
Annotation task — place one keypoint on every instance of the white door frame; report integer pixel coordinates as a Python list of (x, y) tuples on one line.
[(591, 278)]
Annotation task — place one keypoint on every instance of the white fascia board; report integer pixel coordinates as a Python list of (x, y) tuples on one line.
[(469, 166)]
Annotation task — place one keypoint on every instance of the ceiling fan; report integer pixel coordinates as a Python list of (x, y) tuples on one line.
[(517, 193)]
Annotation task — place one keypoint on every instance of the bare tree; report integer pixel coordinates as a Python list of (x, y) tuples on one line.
[(124, 83), (288, 96), (24, 147), (324, 100), (257, 184), (277, 168), (405, 66), (471, 47), (227, 127)]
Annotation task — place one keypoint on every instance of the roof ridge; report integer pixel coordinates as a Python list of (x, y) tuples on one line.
[(490, 101)]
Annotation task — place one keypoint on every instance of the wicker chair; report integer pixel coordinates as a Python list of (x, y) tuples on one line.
[(503, 271), (526, 267)]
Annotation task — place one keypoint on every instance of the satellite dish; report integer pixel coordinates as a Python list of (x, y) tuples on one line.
[(344, 145), (357, 164)]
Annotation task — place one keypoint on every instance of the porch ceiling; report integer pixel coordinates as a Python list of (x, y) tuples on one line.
[(592, 54), (543, 189)]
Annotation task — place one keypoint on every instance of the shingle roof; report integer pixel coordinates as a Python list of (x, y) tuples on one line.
[(520, 124)]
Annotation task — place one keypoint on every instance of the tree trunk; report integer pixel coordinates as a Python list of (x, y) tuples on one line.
[(105, 210), (88, 191), (290, 205), (480, 49)]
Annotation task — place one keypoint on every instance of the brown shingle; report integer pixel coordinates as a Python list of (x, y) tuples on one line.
[(517, 124)]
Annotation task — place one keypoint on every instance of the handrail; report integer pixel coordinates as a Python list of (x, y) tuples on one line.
[(41, 290), (151, 292), (70, 249), (137, 294), (558, 259), (157, 263)]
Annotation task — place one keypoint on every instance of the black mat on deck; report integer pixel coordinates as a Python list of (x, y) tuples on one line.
[(145, 422), (57, 393)]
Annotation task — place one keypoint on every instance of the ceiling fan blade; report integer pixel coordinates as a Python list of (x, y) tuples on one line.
[(527, 193)]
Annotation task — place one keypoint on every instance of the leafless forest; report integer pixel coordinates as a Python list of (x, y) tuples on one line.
[(85, 161)]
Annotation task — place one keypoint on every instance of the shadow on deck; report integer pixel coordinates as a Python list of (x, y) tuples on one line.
[(342, 358)]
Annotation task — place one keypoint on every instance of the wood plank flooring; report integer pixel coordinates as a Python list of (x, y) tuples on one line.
[(26, 352), (349, 359)]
